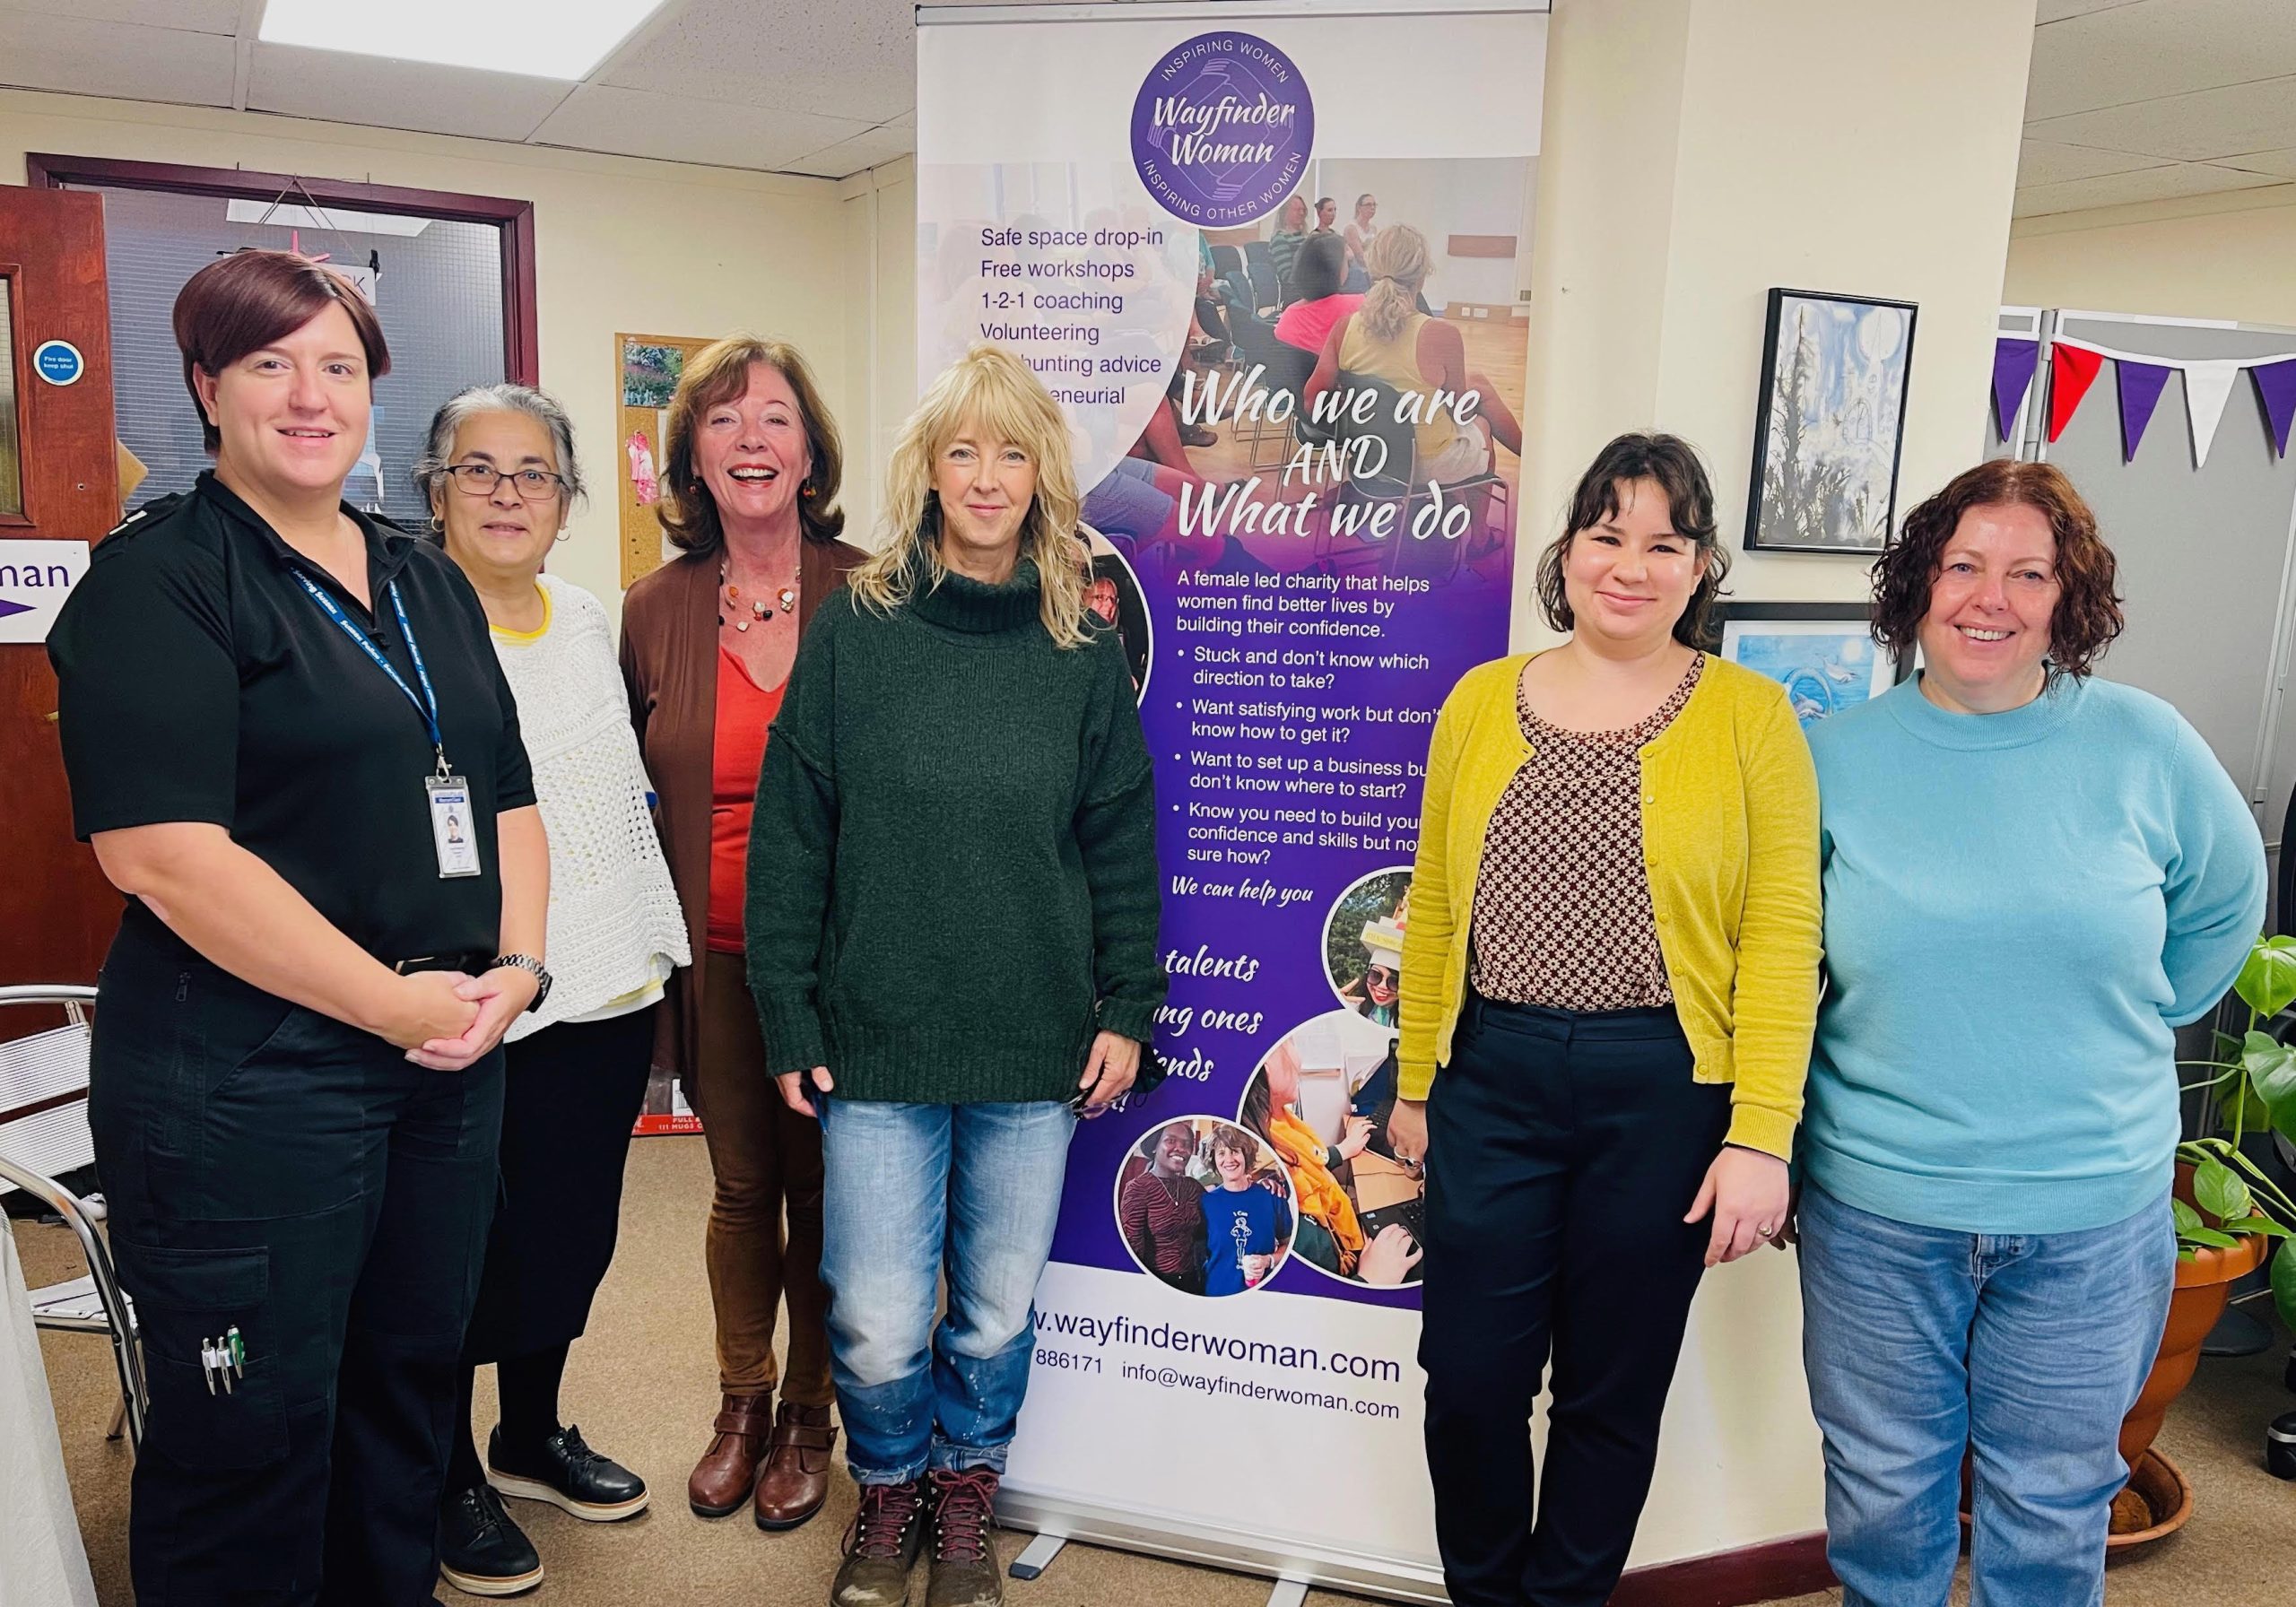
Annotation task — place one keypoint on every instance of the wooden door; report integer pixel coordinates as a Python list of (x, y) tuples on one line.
[(60, 483)]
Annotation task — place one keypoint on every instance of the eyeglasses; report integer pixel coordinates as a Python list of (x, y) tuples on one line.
[(1379, 976), (480, 479)]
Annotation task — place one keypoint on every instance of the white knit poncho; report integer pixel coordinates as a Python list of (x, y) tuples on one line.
[(617, 931)]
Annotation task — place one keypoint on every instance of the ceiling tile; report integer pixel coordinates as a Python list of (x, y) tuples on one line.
[(2057, 11), (2199, 126), (2123, 189), (193, 16), (2280, 162), (842, 160), (2043, 162), (2163, 48), (343, 88), (81, 56), (681, 128), (856, 59)]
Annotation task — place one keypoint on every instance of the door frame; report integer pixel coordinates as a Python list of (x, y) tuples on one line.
[(521, 333)]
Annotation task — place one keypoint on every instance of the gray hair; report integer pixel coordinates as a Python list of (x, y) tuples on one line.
[(544, 409)]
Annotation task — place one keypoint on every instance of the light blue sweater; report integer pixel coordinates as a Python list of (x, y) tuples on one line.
[(2018, 909)]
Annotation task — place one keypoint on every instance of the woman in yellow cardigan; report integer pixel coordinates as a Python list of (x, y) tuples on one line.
[(1613, 957)]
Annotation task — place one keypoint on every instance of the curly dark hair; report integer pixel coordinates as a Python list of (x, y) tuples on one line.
[(2087, 616), (1674, 463)]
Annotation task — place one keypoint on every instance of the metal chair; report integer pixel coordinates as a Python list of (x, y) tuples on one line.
[(1433, 560), (44, 1131)]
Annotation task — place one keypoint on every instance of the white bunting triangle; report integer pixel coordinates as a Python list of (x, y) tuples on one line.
[(2208, 385)]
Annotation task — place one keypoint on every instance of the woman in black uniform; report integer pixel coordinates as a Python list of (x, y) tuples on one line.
[(272, 708)]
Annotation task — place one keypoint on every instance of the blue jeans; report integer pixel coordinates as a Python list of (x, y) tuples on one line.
[(2027, 1351), (912, 1191)]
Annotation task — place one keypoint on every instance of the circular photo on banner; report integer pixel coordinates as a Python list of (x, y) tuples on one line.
[(1112, 597), (1321, 1099), (1363, 943), (1204, 1206)]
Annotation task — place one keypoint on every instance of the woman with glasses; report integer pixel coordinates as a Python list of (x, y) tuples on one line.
[(500, 472)]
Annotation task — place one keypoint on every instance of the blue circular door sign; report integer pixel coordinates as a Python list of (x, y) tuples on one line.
[(58, 362)]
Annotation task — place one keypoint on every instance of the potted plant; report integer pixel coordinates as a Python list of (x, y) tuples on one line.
[(2229, 1217)]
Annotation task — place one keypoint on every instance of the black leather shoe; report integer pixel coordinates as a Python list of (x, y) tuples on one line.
[(480, 1551), (568, 1474)]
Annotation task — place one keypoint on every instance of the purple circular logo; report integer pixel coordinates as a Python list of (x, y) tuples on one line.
[(1222, 129)]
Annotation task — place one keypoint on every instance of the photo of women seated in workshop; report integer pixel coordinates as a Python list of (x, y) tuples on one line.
[(1321, 1099), (1204, 1207)]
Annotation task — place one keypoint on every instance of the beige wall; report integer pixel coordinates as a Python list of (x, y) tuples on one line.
[(653, 248), (1698, 152), (2213, 256)]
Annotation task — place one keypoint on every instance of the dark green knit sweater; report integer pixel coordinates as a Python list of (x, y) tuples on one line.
[(953, 864)]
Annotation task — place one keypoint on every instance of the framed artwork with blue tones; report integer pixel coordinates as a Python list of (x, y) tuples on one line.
[(1829, 422), (1821, 653)]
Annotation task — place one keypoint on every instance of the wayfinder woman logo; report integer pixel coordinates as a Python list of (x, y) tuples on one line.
[(1221, 130)]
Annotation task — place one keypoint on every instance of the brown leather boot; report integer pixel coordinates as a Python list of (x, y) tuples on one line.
[(796, 1481), (727, 1472)]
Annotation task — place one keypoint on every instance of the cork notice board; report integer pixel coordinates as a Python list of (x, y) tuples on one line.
[(646, 373)]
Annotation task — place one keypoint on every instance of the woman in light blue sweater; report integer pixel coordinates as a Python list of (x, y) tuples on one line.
[(2032, 877)]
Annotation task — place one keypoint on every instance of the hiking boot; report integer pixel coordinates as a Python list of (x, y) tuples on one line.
[(964, 1541), (880, 1548)]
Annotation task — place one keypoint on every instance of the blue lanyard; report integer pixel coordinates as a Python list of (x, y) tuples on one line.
[(427, 705)]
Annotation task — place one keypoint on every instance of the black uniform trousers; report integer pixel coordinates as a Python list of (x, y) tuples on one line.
[(273, 1170), (1563, 1150)]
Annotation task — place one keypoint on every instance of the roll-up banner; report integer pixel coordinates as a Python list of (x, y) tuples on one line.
[(1271, 260)]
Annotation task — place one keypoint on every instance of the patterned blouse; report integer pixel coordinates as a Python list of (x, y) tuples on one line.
[(1563, 915)]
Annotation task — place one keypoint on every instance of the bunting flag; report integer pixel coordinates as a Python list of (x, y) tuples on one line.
[(2072, 370), (2140, 386), (2276, 390), (2208, 385), (2013, 363)]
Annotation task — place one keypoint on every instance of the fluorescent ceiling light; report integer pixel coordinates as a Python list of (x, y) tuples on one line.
[(542, 38), (290, 214)]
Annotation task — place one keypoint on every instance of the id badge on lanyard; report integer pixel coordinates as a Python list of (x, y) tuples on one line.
[(453, 827)]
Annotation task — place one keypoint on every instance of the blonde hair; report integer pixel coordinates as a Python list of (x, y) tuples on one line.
[(720, 373), (1396, 260), (994, 394)]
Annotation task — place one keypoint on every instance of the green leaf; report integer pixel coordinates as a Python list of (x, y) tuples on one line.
[(2283, 1283), (2259, 1224), (2187, 1219), (2272, 1073), (2211, 1238), (2219, 1191), (2268, 981)]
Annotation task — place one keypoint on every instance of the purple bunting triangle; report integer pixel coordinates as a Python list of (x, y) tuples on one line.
[(2140, 392), (2277, 389), (2013, 361)]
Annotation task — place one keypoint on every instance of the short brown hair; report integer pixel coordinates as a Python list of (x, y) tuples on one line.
[(2087, 616), (1228, 1137), (1674, 463), (243, 302), (719, 373)]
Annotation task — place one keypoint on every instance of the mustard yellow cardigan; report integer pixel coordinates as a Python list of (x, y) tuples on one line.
[(1730, 841)]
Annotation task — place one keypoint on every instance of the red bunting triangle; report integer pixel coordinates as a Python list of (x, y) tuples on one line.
[(2072, 371)]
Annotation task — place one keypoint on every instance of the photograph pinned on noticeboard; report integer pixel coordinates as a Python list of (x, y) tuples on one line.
[(647, 369), (1823, 653), (1829, 422)]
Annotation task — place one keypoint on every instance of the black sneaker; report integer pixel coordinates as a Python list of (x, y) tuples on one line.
[(481, 1551), (568, 1475)]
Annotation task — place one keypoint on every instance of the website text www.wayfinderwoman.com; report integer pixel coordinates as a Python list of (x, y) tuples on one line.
[(1100, 1332)]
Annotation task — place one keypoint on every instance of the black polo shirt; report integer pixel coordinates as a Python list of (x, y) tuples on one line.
[(200, 681)]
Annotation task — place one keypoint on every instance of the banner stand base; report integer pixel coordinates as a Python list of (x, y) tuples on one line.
[(1293, 1568)]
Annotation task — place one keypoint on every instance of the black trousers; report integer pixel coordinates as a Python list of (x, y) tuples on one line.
[(273, 1170), (1563, 1151), (571, 1095)]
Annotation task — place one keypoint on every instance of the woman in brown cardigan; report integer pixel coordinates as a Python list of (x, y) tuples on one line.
[(749, 490)]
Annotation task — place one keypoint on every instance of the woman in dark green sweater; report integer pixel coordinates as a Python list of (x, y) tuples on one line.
[(956, 784)]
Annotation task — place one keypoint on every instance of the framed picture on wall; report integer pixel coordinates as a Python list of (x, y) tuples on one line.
[(646, 377), (1821, 653), (1829, 422)]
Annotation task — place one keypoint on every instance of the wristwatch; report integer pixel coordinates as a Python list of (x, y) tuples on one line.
[(527, 962)]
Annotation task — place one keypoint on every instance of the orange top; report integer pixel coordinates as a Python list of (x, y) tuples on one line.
[(736, 752)]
